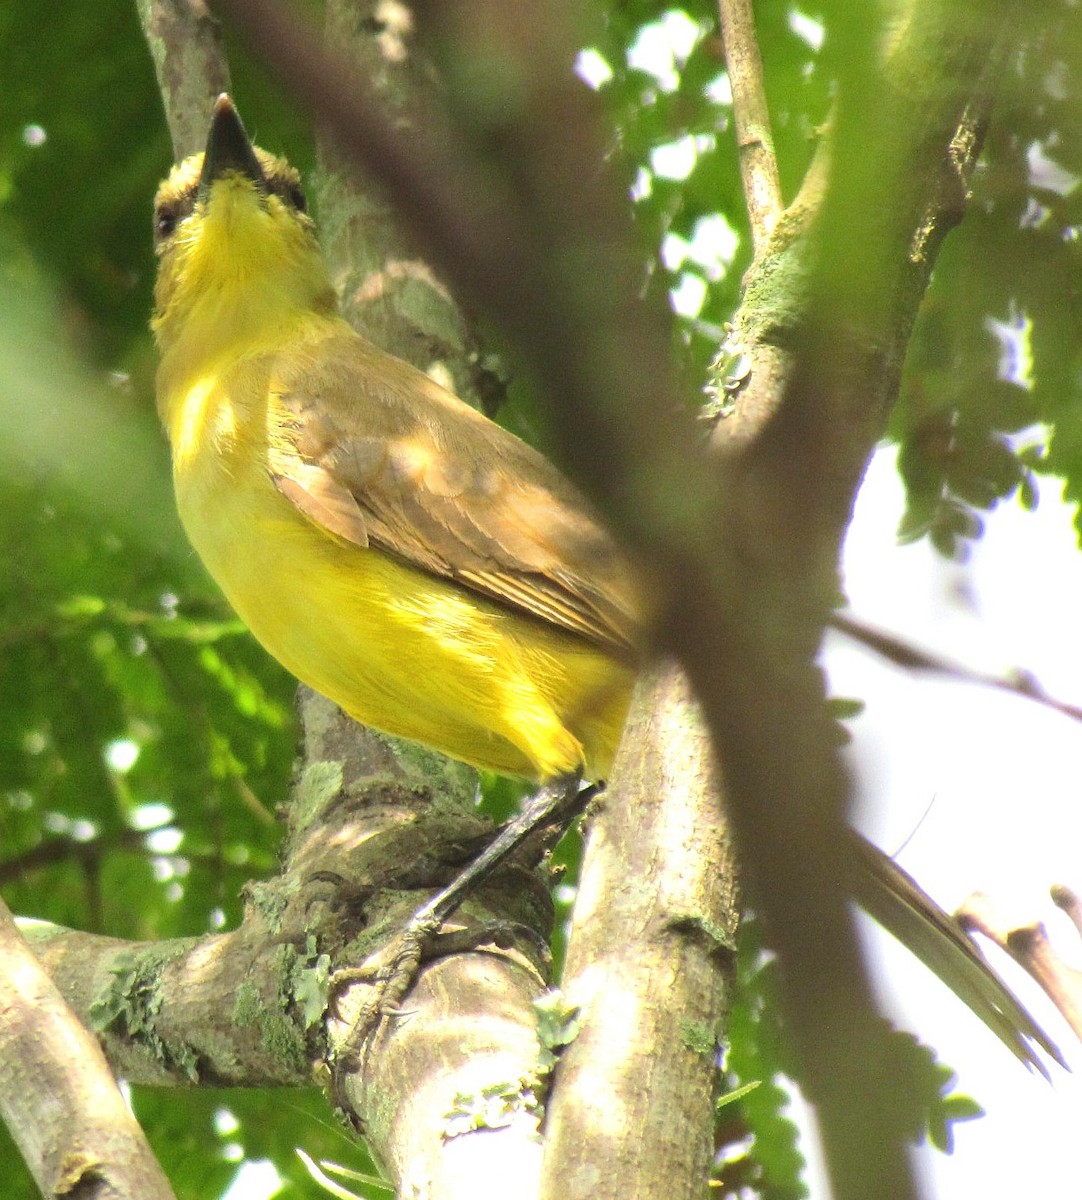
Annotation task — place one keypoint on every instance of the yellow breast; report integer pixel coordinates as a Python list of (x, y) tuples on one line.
[(399, 649)]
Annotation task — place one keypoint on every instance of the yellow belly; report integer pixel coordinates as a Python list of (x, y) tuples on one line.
[(397, 648)]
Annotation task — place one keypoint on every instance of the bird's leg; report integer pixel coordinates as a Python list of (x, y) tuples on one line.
[(555, 804)]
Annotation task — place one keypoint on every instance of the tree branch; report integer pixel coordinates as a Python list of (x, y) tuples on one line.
[(367, 844), (186, 46), (88, 855), (913, 658), (449, 1087), (834, 310), (387, 289), (758, 165), (649, 966), (1031, 947), (59, 1099), (467, 1039), (471, 1026)]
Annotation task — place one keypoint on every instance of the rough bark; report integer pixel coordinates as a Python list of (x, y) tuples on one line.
[(649, 966), (59, 1098), (185, 43)]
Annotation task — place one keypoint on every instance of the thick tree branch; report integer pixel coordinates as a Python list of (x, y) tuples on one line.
[(59, 1098), (834, 311), (249, 1008), (649, 966), (452, 1080), (219, 1010), (471, 1024)]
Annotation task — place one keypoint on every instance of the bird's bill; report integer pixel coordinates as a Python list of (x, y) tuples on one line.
[(229, 149)]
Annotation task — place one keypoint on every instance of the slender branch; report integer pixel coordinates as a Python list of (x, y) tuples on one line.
[(913, 658), (839, 307), (1031, 948), (185, 44), (1068, 903), (59, 1098), (758, 164), (90, 855), (65, 849)]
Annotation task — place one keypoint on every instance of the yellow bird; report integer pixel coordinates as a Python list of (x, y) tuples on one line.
[(399, 552), (393, 548)]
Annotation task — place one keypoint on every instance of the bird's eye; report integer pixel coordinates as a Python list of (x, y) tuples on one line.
[(295, 196), (165, 223)]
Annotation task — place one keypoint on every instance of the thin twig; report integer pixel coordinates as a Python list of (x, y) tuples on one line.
[(90, 855), (1030, 947), (1067, 901), (913, 658), (758, 164)]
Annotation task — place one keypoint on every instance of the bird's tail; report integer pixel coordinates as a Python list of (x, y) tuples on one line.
[(898, 903)]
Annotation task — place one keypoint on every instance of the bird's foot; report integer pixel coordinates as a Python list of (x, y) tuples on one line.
[(390, 973)]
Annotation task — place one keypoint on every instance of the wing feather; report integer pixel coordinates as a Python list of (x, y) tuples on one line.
[(378, 454)]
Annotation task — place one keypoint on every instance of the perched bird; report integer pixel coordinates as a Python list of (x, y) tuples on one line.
[(396, 550), (393, 548)]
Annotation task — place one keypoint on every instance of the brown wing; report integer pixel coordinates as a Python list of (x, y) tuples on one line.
[(377, 453)]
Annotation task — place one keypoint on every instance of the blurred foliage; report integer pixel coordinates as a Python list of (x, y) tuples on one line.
[(142, 732), (992, 395), (145, 740), (758, 1143), (993, 388)]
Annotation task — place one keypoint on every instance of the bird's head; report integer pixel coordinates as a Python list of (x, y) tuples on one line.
[(234, 241)]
